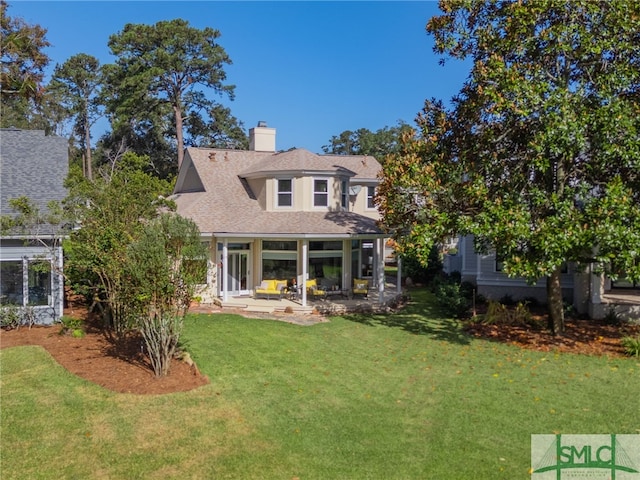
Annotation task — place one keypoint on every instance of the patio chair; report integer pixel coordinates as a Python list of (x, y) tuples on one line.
[(360, 287), (315, 291)]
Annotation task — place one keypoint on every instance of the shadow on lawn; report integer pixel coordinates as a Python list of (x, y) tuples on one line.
[(418, 317)]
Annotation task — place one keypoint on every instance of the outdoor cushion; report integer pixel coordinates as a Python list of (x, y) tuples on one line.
[(314, 289), (360, 287), (269, 288)]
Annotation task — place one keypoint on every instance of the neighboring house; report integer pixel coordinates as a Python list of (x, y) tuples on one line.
[(282, 216), (590, 293), (35, 166)]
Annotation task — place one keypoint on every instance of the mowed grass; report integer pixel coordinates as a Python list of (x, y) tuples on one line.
[(401, 396)]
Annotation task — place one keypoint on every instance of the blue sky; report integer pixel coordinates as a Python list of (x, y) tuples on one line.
[(309, 69)]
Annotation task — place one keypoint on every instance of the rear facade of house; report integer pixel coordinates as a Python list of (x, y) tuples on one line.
[(291, 216)]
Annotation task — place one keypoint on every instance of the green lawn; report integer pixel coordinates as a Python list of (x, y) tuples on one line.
[(405, 396)]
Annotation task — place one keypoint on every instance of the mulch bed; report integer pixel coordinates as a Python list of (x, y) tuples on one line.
[(116, 364), (589, 337)]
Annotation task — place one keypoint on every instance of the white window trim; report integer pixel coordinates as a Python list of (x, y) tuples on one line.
[(313, 193), (276, 200), (25, 260), (344, 195), (368, 197)]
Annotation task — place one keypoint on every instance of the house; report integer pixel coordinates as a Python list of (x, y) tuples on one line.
[(32, 165), (291, 215), (589, 292)]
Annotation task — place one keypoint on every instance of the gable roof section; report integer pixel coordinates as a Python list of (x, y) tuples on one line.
[(32, 165), (188, 179), (227, 206)]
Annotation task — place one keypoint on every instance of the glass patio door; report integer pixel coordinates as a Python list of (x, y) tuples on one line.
[(238, 274)]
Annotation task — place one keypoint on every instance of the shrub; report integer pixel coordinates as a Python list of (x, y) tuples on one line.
[(501, 314), (411, 267), (452, 300), (13, 316), (631, 345), (10, 317), (612, 317), (72, 326), (468, 289)]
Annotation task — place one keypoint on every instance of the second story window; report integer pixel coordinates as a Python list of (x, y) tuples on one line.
[(371, 197), (285, 192), (320, 193), (344, 198)]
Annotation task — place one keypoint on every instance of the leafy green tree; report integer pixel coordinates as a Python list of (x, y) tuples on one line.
[(539, 156), (219, 129), (77, 83), (363, 141), (111, 212), (23, 100), (158, 71), (23, 59), (165, 264)]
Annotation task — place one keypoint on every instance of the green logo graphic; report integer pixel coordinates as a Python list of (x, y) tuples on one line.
[(615, 457)]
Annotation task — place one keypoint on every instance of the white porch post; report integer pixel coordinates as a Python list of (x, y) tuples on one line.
[(225, 269), (380, 261), (399, 275), (60, 260), (305, 248)]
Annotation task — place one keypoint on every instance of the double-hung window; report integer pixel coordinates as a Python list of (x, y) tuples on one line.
[(371, 197), (285, 192), (320, 192), (344, 195)]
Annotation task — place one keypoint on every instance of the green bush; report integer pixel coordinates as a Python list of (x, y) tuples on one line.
[(72, 326), (411, 267), (631, 345), (452, 300), (12, 316), (612, 317), (500, 314)]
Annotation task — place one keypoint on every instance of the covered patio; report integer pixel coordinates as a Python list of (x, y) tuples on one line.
[(375, 300)]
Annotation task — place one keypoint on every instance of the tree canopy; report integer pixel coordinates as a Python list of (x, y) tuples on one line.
[(363, 141), (77, 83), (160, 72), (23, 59), (539, 155), (21, 75)]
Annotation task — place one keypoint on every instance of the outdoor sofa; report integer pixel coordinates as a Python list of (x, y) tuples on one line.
[(271, 289)]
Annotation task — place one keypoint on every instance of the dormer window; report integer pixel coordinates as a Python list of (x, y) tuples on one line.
[(321, 193), (285, 192)]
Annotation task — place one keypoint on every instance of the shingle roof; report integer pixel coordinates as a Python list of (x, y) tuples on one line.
[(32, 165), (227, 205)]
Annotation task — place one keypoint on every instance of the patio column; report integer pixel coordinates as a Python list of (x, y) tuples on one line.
[(225, 268), (60, 283), (380, 265), (305, 262)]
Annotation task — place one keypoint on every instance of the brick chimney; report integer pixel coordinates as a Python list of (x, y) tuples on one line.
[(262, 138)]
